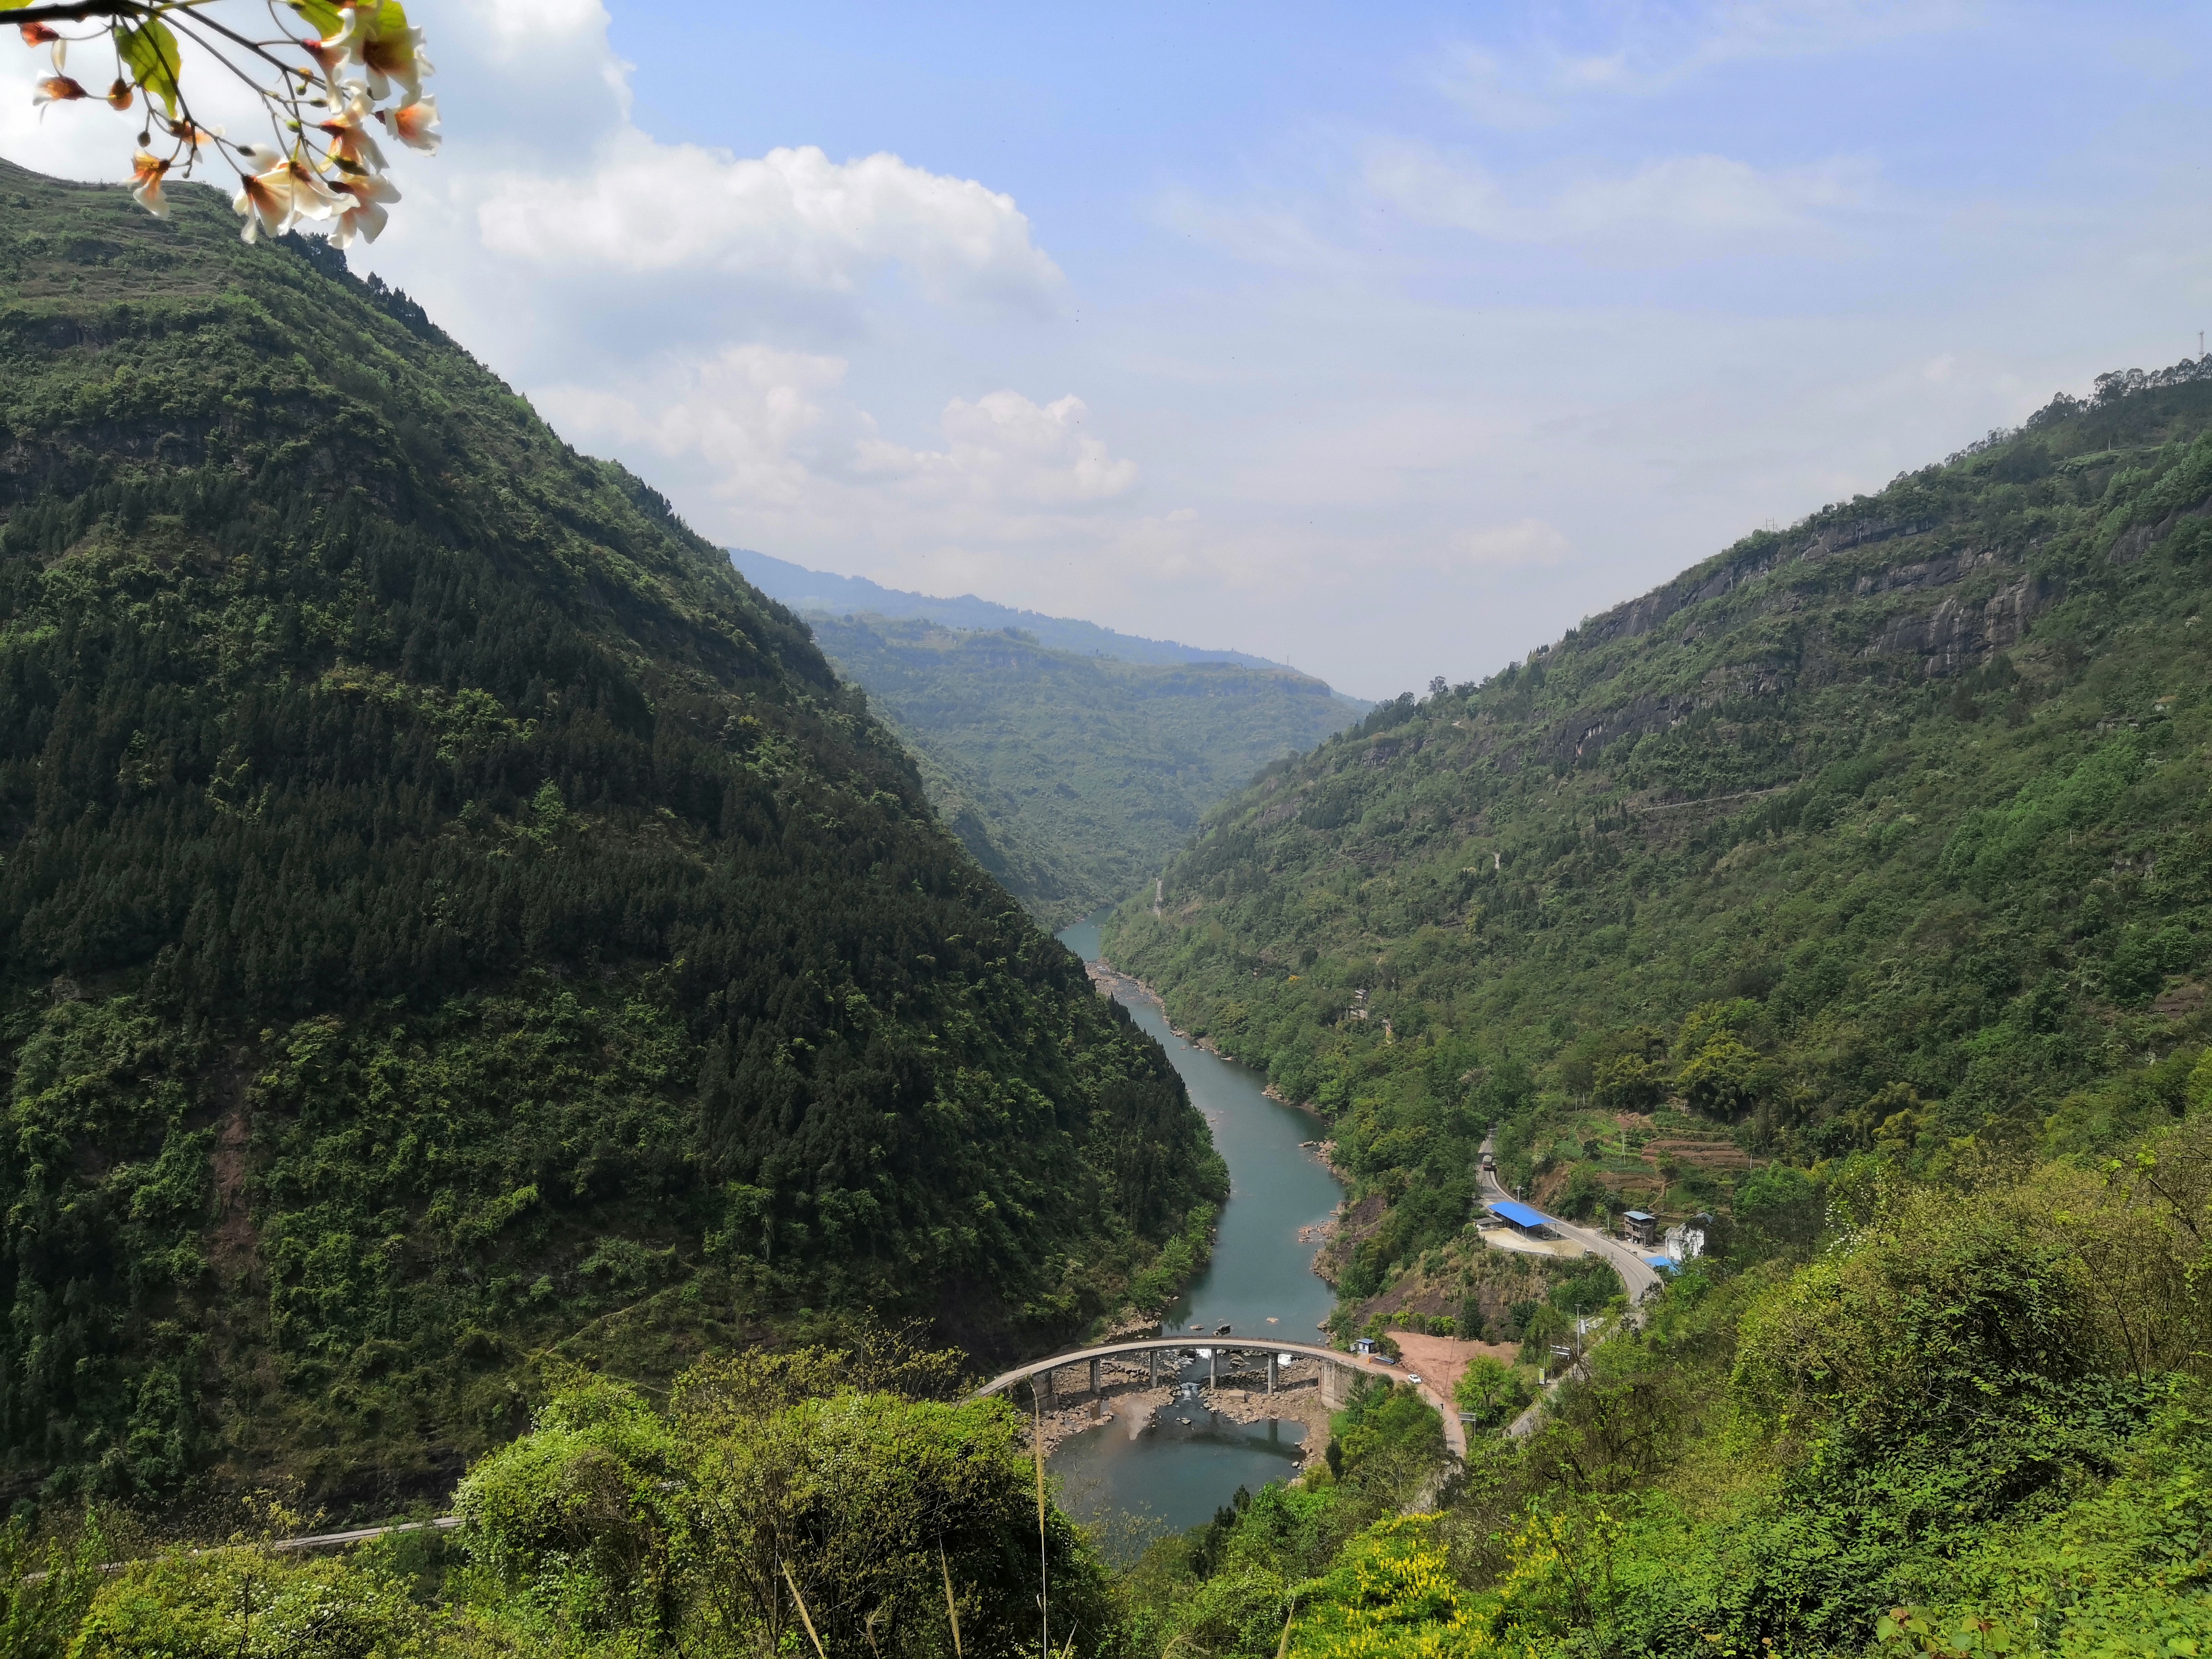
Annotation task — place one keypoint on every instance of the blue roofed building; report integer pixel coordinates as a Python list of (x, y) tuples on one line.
[(1519, 1216)]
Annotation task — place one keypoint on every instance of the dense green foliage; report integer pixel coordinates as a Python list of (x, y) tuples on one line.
[(771, 1502), (1976, 1422), (451, 917), (457, 930), (1888, 831), (1072, 779)]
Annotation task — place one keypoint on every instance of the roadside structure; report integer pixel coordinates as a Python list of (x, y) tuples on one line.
[(1530, 1223)]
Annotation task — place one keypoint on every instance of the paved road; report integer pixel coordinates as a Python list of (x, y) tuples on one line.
[(1638, 1277), (318, 1541)]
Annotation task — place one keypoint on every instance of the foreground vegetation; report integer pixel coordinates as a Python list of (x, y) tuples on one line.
[(1072, 779), (1970, 1418), (454, 925)]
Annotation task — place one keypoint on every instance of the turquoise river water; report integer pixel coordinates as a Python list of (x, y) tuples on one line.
[(1177, 1468)]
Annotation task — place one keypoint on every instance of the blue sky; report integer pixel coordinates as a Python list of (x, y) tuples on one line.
[(1388, 341)]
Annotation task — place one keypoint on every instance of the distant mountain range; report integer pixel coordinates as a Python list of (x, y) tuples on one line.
[(843, 596), (1071, 760), (1074, 777)]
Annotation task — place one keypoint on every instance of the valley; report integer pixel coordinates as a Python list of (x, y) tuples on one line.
[(457, 930), (1072, 778), (1259, 1280), (504, 1022)]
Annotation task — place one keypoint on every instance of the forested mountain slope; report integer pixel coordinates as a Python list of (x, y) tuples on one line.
[(1071, 778), (453, 924), (1887, 833)]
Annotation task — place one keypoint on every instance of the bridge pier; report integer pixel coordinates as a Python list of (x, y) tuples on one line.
[(1213, 1368), (1094, 1379), (1152, 1368), (1333, 1392), (1270, 1375)]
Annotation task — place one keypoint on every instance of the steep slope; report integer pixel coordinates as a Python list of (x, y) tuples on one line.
[(453, 923), (806, 590), (1885, 833), (1071, 778)]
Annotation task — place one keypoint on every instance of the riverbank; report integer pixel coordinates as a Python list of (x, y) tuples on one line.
[(1131, 1413), (1111, 981), (1259, 1280)]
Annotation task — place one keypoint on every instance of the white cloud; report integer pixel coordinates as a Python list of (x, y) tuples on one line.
[(520, 27), (771, 431), (1682, 198), (645, 208), (1510, 546), (764, 424), (1003, 447), (1734, 30), (543, 166), (1709, 193), (1640, 51)]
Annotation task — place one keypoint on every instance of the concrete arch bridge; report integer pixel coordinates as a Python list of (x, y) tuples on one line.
[(1333, 1371)]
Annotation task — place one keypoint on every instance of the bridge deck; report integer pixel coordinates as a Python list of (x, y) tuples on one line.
[(1454, 1432)]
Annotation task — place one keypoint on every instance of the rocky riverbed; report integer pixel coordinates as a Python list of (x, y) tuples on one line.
[(1129, 1411)]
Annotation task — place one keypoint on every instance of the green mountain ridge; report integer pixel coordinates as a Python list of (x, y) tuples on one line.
[(1887, 831), (807, 591), (479, 987), (455, 927), (1071, 778)]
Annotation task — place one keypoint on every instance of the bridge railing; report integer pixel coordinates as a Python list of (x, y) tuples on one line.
[(1215, 1347)]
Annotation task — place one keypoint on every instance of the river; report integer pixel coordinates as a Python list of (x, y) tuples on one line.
[(1178, 1468)]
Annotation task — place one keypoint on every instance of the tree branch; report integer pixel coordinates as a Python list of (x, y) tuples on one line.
[(76, 11)]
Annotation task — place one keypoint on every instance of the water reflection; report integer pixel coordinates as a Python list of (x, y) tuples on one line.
[(1171, 1468)]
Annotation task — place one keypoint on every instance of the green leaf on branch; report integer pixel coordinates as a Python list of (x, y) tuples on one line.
[(149, 52), (322, 19)]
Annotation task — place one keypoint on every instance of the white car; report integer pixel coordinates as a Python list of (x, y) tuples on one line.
[(1413, 1377)]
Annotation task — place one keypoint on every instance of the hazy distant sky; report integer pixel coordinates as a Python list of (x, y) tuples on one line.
[(1387, 340)]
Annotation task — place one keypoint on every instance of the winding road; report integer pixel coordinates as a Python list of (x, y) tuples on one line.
[(1638, 1277)]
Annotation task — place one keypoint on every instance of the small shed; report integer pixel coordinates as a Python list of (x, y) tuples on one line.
[(1519, 1216), (1641, 1226)]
